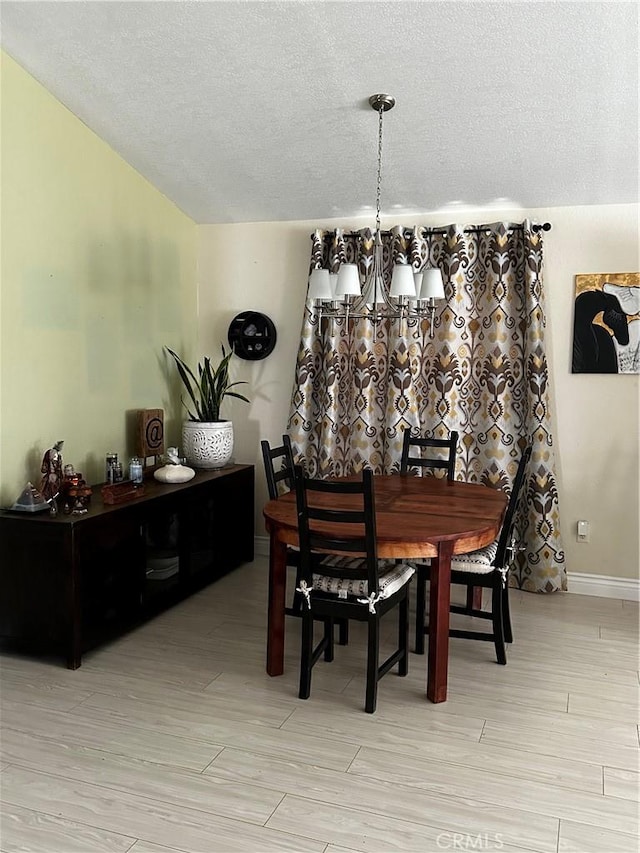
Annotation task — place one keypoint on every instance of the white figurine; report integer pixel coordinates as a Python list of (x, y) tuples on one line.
[(174, 471)]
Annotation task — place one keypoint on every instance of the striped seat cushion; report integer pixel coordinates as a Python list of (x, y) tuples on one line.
[(392, 576), (479, 562)]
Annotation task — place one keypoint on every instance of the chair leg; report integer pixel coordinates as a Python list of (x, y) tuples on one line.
[(421, 606), (474, 599), (296, 610), (506, 615), (498, 630), (296, 603), (343, 632), (373, 652), (328, 636), (403, 635), (306, 655)]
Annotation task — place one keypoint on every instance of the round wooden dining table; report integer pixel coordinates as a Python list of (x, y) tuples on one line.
[(415, 517)]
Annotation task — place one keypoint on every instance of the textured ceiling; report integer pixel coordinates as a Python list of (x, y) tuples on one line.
[(252, 111)]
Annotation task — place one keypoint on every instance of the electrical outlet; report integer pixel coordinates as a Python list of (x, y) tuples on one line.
[(583, 531)]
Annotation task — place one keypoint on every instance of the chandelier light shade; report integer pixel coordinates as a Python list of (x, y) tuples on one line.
[(429, 287), (320, 286), (403, 282), (348, 281), (432, 285), (346, 295), (333, 283)]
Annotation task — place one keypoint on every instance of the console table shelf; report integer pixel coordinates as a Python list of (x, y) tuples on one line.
[(69, 581)]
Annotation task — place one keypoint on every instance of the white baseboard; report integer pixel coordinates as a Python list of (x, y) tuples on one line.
[(603, 586)]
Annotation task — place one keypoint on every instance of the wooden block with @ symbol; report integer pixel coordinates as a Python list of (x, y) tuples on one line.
[(150, 433)]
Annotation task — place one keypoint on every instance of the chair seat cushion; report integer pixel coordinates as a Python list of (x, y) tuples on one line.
[(479, 562), (392, 576)]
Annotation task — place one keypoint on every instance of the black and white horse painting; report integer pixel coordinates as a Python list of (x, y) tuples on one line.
[(606, 327)]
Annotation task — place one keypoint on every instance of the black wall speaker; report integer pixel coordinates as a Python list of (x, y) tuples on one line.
[(252, 335)]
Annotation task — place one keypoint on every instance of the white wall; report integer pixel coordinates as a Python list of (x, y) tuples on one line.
[(264, 267), (598, 416)]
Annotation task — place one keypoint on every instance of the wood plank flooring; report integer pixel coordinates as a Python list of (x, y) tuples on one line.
[(173, 738)]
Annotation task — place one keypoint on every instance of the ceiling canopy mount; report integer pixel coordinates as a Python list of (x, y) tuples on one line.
[(382, 102)]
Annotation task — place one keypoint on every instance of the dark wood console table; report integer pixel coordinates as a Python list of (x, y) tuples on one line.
[(68, 582)]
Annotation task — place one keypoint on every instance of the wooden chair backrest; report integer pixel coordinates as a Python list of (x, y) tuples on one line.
[(280, 478), (517, 490), (413, 448), (349, 507)]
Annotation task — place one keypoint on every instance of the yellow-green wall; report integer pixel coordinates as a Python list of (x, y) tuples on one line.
[(98, 272)]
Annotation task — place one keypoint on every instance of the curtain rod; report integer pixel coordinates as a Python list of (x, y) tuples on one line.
[(476, 229)]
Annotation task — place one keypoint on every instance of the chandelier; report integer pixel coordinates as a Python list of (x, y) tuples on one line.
[(343, 296)]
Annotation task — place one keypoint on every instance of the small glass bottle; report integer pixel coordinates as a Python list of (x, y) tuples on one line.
[(110, 462), (135, 470)]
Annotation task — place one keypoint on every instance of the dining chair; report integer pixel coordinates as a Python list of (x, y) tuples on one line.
[(358, 586), (279, 479), (486, 568), (278, 469), (441, 455)]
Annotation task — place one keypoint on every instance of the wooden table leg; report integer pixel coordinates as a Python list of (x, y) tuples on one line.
[(277, 594), (439, 600)]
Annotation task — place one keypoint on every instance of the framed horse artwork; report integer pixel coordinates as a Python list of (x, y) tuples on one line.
[(606, 324)]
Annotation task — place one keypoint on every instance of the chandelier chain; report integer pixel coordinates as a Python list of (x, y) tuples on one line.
[(411, 295), (379, 180)]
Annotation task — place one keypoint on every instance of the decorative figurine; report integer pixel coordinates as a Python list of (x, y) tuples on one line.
[(172, 457), (75, 492), (70, 474), (51, 482), (174, 471), (30, 500)]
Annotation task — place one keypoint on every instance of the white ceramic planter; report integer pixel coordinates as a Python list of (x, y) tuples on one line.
[(207, 444)]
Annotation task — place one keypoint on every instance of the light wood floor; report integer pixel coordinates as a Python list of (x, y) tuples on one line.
[(173, 738)]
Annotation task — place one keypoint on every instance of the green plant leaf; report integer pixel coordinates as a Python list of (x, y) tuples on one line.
[(238, 396), (210, 388), (186, 375)]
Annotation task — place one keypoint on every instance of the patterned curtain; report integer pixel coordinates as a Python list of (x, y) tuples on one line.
[(484, 373)]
